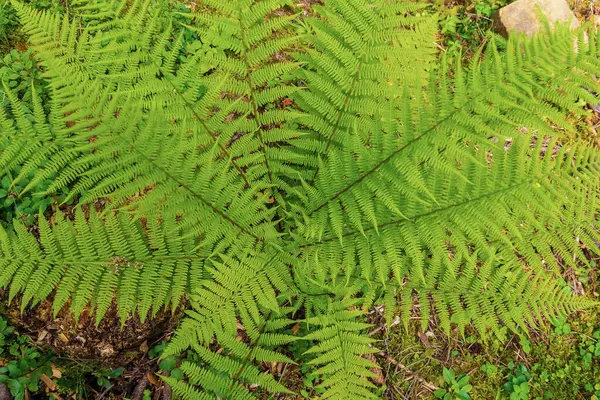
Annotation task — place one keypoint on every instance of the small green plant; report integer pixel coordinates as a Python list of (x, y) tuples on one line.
[(25, 207), (464, 27), (455, 387), (19, 72), (517, 385), (489, 369), (8, 20), (104, 375), (525, 344), (267, 217), (168, 364), (561, 326), (5, 331), (23, 364)]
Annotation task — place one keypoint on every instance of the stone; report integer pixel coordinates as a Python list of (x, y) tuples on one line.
[(522, 16)]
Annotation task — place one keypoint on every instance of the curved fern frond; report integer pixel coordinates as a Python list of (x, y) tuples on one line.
[(95, 262), (357, 57), (239, 299), (528, 192), (290, 171), (248, 40), (339, 352)]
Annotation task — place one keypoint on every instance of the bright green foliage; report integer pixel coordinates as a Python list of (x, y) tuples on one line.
[(298, 170), (350, 66), (517, 386), (27, 206), (8, 20), (339, 352), (89, 261), (455, 387), (238, 297), (19, 72), (22, 363)]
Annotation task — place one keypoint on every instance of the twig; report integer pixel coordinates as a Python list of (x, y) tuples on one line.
[(428, 385), (138, 392), (4, 392), (167, 392), (101, 395)]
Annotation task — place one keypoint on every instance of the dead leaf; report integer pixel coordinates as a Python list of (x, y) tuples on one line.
[(424, 339), (50, 384), (295, 329), (42, 335), (144, 347), (56, 373), (153, 379), (379, 379), (107, 351)]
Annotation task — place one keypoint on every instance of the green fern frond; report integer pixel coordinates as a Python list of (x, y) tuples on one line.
[(288, 170), (339, 352), (357, 57), (95, 262), (237, 298)]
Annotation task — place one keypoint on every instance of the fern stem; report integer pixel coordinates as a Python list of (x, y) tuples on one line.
[(189, 189), (418, 216), (250, 353), (387, 159), (206, 128)]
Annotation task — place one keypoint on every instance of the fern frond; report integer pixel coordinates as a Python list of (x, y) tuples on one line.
[(339, 352), (248, 40), (95, 262), (238, 298), (356, 58), (292, 170)]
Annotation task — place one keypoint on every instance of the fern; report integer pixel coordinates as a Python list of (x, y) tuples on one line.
[(299, 170), (238, 298), (95, 260), (341, 345)]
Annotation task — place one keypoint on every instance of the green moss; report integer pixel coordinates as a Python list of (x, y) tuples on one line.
[(557, 365)]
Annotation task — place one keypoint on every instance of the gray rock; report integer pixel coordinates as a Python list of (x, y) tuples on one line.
[(522, 16)]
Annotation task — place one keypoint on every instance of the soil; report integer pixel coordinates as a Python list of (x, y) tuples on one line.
[(81, 339), (109, 345)]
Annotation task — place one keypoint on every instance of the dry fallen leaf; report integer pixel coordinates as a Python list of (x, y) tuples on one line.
[(144, 347), (295, 329), (153, 379), (42, 335), (50, 384), (424, 339), (56, 373), (379, 379)]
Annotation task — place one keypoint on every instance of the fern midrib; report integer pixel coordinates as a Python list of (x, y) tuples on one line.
[(189, 189), (253, 347), (252, 99), (389, 158), (212, 134), (423, 215)]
